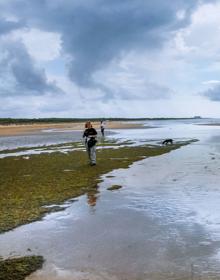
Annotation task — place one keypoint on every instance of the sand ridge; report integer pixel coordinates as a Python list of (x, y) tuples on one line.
[(24, 129)]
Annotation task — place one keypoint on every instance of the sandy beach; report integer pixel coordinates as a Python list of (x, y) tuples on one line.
[(10, 130)]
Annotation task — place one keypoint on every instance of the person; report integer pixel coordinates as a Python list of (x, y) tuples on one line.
[(102, 126), (90, 142)]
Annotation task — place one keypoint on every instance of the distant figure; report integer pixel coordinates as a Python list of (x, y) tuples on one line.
[(167, 141), (90, 142), (102, 126)]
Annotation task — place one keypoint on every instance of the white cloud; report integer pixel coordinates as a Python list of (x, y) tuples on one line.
[(181, 14), (41, 45), (211, 82), (202, 35)]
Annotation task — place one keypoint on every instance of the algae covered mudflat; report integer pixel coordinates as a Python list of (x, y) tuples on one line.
[(27, 185), (19, 268)]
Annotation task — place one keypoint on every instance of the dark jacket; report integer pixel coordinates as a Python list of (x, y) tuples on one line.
[(90, 132)]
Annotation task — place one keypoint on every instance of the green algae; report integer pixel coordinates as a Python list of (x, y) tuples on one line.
[(114, 187), (26, 186), (19, 268)]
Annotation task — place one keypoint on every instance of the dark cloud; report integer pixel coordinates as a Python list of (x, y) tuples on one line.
[(93, 33), (19, 75), (7, 26), (212, 93), (96, 32)]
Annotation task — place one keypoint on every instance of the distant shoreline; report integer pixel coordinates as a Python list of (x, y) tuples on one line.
[(24, 121), (14, 127)]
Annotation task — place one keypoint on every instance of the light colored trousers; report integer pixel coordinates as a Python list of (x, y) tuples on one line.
[(91, 153)]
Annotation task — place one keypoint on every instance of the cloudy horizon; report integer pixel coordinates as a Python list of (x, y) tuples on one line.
[(104, 58)]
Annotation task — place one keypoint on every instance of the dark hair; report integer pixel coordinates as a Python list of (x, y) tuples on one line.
[(87, 124)]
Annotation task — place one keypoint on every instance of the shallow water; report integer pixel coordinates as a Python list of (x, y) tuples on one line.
[(163, 224), (57, 136), (38, 139)]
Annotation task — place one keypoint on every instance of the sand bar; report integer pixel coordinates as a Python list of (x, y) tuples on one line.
[(10, 130), (210, 124)]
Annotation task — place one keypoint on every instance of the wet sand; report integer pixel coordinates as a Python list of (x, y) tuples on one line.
[(157, 227), (9, 130), (163, 224)]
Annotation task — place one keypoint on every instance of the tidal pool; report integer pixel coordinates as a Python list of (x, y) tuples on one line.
[(164, 223)]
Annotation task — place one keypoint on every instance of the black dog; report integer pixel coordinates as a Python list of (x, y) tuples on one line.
[(167, 141)]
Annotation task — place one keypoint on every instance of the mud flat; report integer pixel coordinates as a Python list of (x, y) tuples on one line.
[(19, 268), (28, 184), (34, 186), (162, 224)]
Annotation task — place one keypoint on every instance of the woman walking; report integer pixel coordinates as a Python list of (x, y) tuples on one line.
[(90, 142)]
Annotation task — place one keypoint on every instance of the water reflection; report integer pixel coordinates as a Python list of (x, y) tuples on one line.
[(92, 197)]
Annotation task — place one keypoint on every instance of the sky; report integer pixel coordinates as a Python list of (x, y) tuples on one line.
[(101, 58)]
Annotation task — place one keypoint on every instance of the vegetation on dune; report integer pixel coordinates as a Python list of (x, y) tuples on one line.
[(9, 121), (19, 268)]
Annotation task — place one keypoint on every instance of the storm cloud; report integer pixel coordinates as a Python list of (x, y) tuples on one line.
[(108, 55), (7, 26), (96, 32), (19, 75)]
